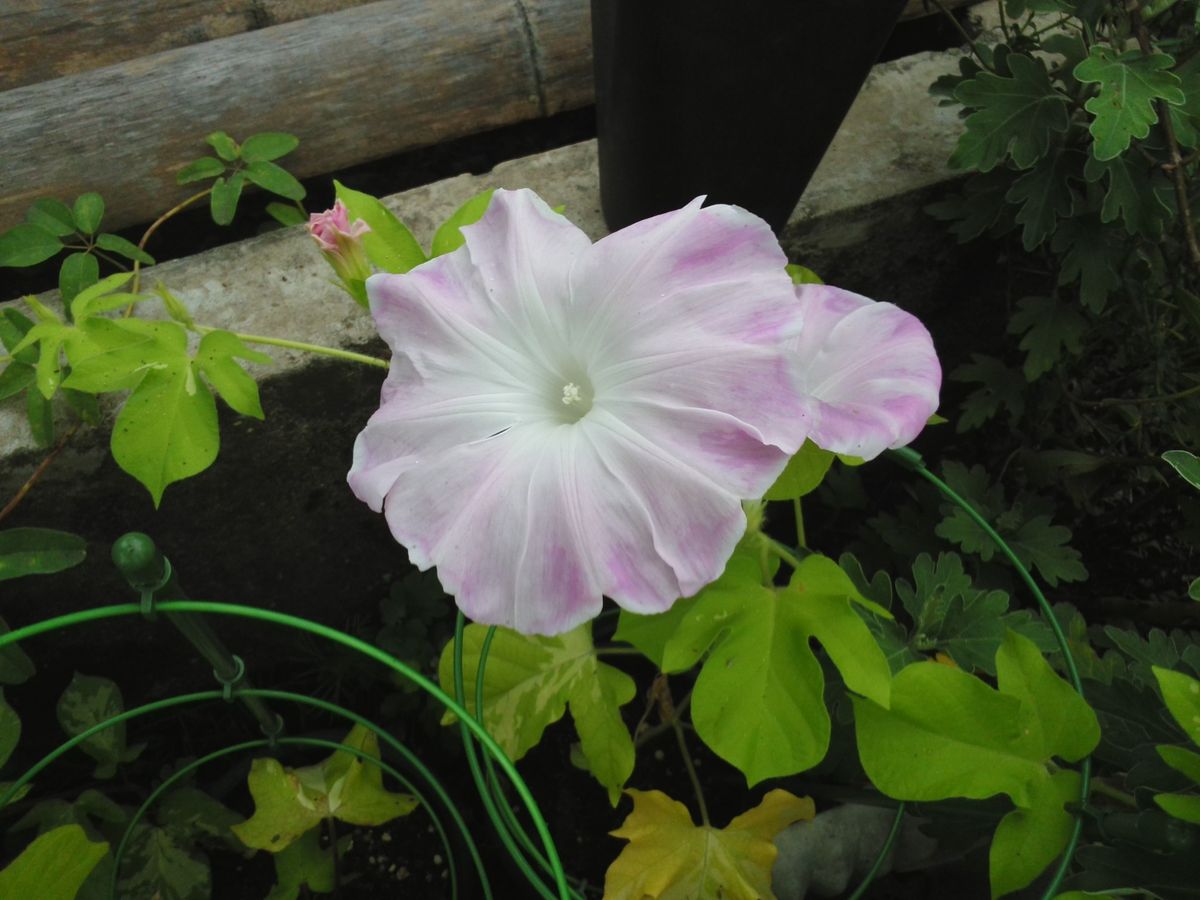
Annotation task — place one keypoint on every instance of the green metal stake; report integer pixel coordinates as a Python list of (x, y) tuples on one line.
[(152, 576)]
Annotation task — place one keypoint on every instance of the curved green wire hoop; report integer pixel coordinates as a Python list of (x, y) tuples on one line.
[(184, 771), (910, 459), (468, 723)]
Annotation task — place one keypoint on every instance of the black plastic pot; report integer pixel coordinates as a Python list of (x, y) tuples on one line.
[(736, 100)]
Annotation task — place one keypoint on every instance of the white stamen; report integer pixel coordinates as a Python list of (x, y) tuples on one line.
[(571, 395)]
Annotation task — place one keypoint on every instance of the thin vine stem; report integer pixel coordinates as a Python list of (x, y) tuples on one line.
[(334, 352), (154, 226), (38, 472), (677, 727), (967, 39)]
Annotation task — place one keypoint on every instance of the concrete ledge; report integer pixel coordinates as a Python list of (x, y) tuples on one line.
[(303, 542)]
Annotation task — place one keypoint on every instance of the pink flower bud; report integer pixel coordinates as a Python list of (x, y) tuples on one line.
[(341, 244)]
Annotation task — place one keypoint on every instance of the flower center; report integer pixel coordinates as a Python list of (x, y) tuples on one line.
[(575, 401)]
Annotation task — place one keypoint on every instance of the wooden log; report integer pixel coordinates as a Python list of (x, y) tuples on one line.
[(45, 39), (354, 85)]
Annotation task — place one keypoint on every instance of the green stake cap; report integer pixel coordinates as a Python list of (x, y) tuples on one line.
[(139, 560)]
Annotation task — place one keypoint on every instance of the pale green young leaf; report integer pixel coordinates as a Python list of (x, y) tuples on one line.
[(78, 271), (1181, 806), (389, 244), (1182, 695), (89, 700), (27, 245), (280, 813), (225, 146), (1028, 840), (268, 145), (38, 551), (51, 215), (356, 792), (1013, 115), (1129, 82), (947, 734), (803, 474), (10, 730), (200, 170), (1186, 464), (13, 328), (530, 681), (1049, 330), (167, 430), (275, 179), (223, 200), (802, 274), (88, 212), (650, 634), (115, 354), (119, 245), (1055, 720), (216, 358), (174, 306), (53, 866), (449, 237), (81, 304), (303, 863), (758, 701), (1043, 546), (1181, 760)]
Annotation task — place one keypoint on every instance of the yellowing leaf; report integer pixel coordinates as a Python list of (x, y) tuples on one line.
[(529, 682), (669, 858), (288, 802)]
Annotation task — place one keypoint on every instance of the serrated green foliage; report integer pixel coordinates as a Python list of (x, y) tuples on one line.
[(448, 237), (1044, 195), (1129, 82), (38, 551), (88, 701), (758, 701), (803, 473), (1087, 253), (1001, 389), (530, 681), (344, 786), (1137, 194), (981, 207), (1037, 543), (389, 244), (53, 866), (952, 616), (1028, 840), (1014, 115), (1166, 650), (1049, 329), (159, 868)]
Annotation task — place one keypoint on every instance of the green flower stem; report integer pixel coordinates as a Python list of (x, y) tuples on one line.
[(334, 352), (618, 651), (677, 727), (1112, 793), (801, 539), (783, 552)]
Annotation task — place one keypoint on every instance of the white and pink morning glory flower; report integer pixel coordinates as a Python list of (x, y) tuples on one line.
[(566, 420)]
